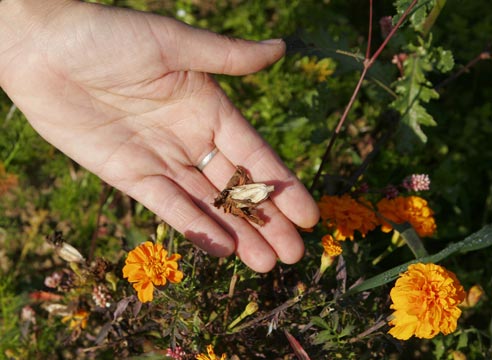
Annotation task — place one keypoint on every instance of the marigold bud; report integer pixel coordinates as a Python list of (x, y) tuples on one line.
[(473, 296)]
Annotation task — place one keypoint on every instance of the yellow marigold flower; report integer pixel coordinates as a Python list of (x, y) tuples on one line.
[(148, 265), (77, 319), (346, 215), (331, 246), (211, 355), (425, 299), (413, 209)]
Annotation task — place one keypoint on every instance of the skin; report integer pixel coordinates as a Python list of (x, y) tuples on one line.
[(128, 95)]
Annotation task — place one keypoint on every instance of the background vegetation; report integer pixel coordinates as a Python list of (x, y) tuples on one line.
[(443, 130)]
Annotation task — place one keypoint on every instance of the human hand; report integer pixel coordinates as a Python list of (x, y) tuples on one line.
[(126, 94)]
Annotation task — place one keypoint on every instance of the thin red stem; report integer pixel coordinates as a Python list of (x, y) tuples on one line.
[(392, 32), (482, 56), (369, 35), (367, 64)]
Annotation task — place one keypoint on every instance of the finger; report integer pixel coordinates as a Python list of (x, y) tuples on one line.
[(242, 145), (278, 231), (253, 250), (170, 202), (259, 255), (196, 218), (204, 51)]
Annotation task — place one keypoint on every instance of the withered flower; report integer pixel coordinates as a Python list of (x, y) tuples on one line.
[(64, 250), (241, 196)]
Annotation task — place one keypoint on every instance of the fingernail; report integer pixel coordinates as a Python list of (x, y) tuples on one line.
[(272, 41)]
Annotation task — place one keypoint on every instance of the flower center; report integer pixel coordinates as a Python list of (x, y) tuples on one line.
[(154, 268)]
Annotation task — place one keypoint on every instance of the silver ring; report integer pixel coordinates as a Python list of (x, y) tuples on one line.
[(201, 165)]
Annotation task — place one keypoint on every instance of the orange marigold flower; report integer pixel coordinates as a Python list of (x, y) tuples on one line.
[(412, 209), (148, 265), (211, 355), (332, 247), (345, 215), (425, 299)]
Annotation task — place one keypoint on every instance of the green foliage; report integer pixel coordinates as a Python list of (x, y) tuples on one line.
[(418, 14), (414, 89), (9, 305)]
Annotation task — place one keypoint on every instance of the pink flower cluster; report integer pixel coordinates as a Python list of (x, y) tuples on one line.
[(417, 182), (177, 353)]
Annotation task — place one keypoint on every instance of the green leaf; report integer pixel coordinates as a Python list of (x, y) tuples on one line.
[(445, 60), (319, 322), (346, 331), (323, 337), (419, 12), (479, 240), (413, 90), (462, 341), (413, 241)]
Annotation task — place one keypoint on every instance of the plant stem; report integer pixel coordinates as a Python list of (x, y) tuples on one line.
[(432, 17), (484, 55), (369, 33), (368, 62)]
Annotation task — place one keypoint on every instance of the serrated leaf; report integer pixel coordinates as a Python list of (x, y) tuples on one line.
[(420, 116), (445, 60), (427, 94), (323, 337), (319, 322), (419, 12), (413, 89), (347, 330)]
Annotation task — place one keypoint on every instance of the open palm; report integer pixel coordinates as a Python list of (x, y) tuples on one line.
[(127, 95)]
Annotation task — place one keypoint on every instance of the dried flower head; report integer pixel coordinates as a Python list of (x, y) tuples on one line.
[(148, 265), (412, 209), (345, 215), (417, 182), (241, 196), (390, 192), (386, 24), (211, 355), (68, 253), (425, 299)]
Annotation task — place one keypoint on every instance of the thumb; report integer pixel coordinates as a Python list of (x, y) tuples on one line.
[(205, 51)]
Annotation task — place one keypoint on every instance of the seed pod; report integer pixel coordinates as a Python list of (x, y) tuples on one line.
[(252, 193)]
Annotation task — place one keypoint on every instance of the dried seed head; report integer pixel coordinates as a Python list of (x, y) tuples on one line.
[(253, 193), (68, 253)]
